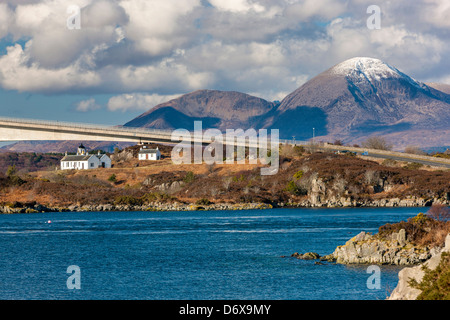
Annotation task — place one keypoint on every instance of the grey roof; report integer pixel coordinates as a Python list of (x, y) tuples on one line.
[(81, 157), (148, 151), (76, 158)]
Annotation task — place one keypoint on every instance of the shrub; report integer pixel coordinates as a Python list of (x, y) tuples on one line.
[(299, 150), (435, 284), (128, 200), (112, 178), (203, 202), (421, 230), (155, 196), (439, 212), (190, 177), (413, 166), (389, 163), (239, 179), (13, 178), (298, 175), (377, 143), (294, 189)]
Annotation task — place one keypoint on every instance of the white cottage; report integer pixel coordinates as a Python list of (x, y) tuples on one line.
[(149, 154), (85, 161)]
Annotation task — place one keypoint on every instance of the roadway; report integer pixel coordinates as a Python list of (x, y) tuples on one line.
[(431, 162), (12, 129)]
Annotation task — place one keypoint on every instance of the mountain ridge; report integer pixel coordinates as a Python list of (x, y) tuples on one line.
[(350, 101)]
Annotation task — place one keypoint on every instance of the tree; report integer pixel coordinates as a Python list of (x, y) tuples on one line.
[(414, 150), (377, 143), (439, 212), (11, 171)]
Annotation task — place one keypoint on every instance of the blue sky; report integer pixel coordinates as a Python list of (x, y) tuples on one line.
[(131, 55)]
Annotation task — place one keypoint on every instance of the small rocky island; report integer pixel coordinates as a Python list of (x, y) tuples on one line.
[(421, 244), (370, 249)]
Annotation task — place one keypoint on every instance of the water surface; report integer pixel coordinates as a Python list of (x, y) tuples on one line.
[(189, 255)]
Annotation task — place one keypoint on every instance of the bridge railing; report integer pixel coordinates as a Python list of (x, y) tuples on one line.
[(76, 125)]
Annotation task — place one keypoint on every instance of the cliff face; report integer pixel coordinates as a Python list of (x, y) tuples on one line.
[(367, 249), (404, 291)]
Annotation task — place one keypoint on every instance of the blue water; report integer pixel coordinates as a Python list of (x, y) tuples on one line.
[(189, 255)]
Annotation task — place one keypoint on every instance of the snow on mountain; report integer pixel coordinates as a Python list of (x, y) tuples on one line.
[(350, 101), (370, 69)]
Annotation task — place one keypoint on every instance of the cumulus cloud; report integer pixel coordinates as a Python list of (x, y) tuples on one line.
[(18, 72), (237, 5), (5, 15), (137, 101), (87, 105), (168, 47)]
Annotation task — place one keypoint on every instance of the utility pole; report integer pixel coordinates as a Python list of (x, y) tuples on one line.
[(314, 134)]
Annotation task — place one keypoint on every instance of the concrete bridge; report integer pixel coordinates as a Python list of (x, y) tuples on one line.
[(13, 129)]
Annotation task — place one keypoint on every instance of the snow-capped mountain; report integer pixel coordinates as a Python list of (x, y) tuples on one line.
[(364, 96), (350, 101)]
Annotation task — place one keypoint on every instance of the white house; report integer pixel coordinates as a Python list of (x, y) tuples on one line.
[(149, 154), (85, 161)]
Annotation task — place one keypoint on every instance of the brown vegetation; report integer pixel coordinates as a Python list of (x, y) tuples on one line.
[(428, 229), (300, 171)]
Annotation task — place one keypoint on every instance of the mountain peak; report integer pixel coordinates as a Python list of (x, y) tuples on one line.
[(370, 69)]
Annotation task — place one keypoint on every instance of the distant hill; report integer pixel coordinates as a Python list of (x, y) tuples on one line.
[(63, 146), (217, 109), (350, 101), (28, 161), (440, 86)]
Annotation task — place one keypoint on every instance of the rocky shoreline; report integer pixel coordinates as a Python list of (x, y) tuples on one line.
[(177, 206), (366, 248), (38, 208)]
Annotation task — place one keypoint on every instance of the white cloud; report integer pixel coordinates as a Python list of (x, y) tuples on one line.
[(17, 72), (5, 17), (156, 27), (305, 10), (87, 105), (237, 5), (437, 13), (170, 46), (137, 101)]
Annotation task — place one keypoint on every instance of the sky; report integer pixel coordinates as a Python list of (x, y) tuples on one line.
[(129, 55)]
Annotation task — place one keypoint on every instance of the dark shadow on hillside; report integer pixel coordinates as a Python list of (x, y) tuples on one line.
[(370, 127), (169, 118), (299, 122)]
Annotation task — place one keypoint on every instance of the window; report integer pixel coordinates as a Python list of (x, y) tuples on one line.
[(92, 165)]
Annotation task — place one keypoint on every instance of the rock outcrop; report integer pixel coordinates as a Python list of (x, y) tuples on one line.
[(366, 248), (155, 206), (404, 291), (306, 256)]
